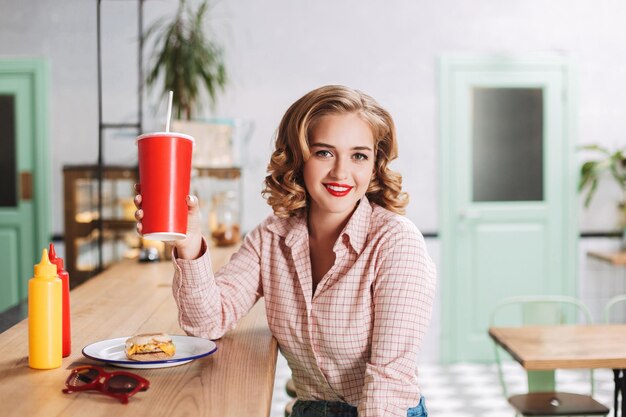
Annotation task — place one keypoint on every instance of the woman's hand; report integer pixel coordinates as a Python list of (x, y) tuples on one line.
[(188, 248)]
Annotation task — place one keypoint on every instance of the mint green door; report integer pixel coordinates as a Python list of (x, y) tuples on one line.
[(24, 202), (508, 198)]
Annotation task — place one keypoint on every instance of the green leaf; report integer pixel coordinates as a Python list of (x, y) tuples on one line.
[(592, 170), (185, 60)]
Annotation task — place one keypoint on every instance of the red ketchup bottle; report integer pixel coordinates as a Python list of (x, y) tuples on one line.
[(65, 291)]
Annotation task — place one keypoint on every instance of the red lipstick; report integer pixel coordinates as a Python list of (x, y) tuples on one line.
[(338, 190)]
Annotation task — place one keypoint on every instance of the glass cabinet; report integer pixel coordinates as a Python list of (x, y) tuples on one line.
[(218, 189), (220, 194), (80, 183)]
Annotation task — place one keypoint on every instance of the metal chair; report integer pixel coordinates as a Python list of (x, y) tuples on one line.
[(542, 398), (618, 374), (610, 305)]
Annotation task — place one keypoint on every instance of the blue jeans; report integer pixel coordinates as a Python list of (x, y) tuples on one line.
[(339, 409)]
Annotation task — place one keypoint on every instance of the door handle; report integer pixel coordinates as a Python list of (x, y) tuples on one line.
[(26, 182)]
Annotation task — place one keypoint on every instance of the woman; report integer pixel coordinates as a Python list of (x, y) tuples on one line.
[(347, 283)]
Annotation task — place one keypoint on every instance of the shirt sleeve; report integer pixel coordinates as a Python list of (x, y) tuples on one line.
[(210, 304), (403, 293)]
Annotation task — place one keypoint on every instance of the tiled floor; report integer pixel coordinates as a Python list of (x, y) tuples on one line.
[(471, 390)]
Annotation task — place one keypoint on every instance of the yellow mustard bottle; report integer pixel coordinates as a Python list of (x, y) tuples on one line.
[(45, 333)]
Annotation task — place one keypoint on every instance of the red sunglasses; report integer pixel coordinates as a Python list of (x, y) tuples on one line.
[(119, 384)]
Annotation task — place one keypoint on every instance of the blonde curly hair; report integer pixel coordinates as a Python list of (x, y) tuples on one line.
[(284, 184)]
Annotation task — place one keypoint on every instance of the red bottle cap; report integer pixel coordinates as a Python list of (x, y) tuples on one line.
[(52, 255)]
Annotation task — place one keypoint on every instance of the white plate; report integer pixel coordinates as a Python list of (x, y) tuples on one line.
[(111, 351)]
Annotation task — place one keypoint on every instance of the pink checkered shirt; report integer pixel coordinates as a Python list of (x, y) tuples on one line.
[(355, 340)]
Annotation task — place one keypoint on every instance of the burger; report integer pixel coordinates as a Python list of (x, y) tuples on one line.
[(149, 347)]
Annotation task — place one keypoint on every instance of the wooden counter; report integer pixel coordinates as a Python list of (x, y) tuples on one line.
[(131, 298)]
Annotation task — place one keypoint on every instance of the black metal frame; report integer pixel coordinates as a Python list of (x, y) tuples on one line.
[(619, 377), (103, 126)]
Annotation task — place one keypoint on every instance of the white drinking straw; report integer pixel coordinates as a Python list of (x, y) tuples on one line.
[(169, 111)]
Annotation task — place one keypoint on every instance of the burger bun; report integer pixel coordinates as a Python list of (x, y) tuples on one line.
[(149, 347)]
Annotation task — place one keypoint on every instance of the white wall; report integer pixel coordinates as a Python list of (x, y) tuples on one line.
[(277, 50)]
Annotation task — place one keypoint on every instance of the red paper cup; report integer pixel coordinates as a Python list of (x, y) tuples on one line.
[(164, 177)]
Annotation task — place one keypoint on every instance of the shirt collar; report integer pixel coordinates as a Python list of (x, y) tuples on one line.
[(294, 229), (358, 226), (291, 228)]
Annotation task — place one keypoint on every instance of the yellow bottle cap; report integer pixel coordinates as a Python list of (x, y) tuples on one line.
[(45, 267)]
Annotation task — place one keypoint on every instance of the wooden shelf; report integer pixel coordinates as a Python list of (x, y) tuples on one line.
[(119, 224), (110, 172), (81, 213), (615, 258), (218, 172)]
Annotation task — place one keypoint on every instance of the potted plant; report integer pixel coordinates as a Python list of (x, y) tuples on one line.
[(592, 170), (187, 61)]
